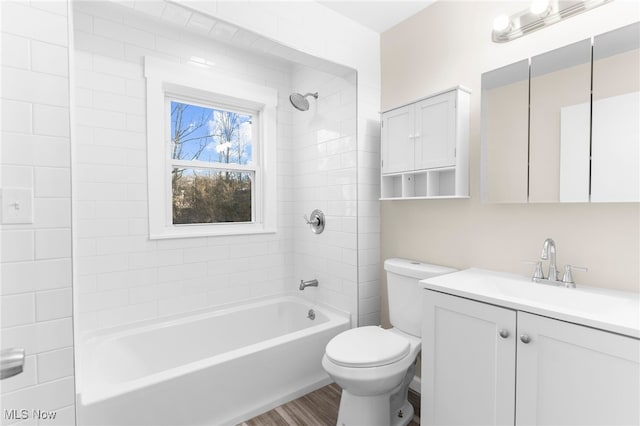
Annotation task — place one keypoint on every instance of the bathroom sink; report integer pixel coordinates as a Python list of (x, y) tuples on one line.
[(610, 310)]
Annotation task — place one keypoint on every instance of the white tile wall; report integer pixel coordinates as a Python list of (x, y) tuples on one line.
[(325, 177), (111, 178), (34, 131), (35, 290), (318, 31), (369, 268), (122, 277)]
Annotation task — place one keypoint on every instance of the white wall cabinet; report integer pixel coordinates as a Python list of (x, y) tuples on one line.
[(491, 365), (425, 148)]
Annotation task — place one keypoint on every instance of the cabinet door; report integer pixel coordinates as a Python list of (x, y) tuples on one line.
[(574, 375), (397, 140), (435, 131), (468, 369)]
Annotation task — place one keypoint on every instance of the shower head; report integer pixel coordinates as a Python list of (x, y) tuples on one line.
[(300, 101)]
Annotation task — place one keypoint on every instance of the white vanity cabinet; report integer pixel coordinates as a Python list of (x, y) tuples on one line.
[(425, 147), (490, 365), (571, 374), (468, 370)]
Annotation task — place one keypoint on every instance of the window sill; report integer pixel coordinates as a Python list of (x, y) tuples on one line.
[(206, 231)]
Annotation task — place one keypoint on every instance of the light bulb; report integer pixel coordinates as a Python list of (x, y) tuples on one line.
[(539, 7), (502, 23)]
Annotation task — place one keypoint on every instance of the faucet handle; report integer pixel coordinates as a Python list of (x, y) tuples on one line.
[(567, 278), (537, 273)]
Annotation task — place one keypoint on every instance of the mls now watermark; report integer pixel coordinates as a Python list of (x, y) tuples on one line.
[(24, 414)]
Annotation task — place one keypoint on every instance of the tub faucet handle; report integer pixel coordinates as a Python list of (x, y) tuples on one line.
[(316, 222)]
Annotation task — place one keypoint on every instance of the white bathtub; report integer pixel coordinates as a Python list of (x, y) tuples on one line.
[(212, 368)]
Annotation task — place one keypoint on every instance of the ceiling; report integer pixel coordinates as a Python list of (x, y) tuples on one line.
[(377, 15)]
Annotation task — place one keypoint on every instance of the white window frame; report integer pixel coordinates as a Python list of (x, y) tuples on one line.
[(168, 80)]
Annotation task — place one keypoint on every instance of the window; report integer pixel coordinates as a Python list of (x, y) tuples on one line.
[(211, 153), (212, 167)]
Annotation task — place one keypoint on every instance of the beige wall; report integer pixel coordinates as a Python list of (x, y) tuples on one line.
[(447, 44)]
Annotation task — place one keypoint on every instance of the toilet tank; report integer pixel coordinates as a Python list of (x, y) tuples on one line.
[(405, 294)]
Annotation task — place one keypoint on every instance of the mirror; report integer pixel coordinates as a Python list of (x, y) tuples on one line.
[(505, 105), (615, 164), (559, 122), (564, 127)]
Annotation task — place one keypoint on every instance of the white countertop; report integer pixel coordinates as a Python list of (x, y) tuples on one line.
[(610, 310)]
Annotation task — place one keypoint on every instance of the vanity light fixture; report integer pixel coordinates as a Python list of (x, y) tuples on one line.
[(502, 24), (540, 8), (540, 14)]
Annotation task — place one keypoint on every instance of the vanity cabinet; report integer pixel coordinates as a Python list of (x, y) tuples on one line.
[(488, 364), (425, 147)]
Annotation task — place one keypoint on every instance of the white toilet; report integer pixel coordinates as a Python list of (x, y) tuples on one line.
[(374, 366)]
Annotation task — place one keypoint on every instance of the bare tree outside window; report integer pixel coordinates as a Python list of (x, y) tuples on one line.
[(215, 194)]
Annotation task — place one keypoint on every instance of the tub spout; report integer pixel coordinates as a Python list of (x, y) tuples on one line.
[(310, 283)]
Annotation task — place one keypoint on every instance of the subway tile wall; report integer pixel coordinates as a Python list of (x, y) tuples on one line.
[(110, 185), (122, 276), (325, 178), (369, 268), (36, 269), (311, 28)]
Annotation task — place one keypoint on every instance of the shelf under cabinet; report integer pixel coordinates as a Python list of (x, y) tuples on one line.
[(423, 184)]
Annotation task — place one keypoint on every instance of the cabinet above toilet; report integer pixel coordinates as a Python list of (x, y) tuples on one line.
[(425, 147)]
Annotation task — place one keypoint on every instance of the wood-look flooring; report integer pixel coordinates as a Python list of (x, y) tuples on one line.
[(318, 408)]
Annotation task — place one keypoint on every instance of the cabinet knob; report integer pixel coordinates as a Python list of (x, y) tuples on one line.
[(524, 338), (503, 333)]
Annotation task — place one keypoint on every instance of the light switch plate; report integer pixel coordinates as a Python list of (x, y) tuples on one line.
[(17, 205)]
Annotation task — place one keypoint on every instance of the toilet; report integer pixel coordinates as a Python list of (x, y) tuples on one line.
[(374, 366)]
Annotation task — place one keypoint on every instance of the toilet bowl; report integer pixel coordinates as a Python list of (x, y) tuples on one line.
[(374, 366), (368, 384)]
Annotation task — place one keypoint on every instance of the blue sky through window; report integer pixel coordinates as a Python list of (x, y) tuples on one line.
[(210, 134)]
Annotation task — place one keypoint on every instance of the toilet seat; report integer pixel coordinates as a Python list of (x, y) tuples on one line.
[(369, 346)]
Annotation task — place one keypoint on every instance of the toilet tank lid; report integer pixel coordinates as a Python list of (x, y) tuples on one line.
[(414, 268)]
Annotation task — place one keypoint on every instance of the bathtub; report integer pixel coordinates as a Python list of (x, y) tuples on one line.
[(216, 367)]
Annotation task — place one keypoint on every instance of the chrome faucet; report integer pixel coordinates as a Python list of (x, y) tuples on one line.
[(549, 252), (310, 283)]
